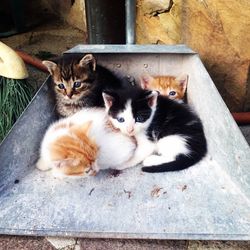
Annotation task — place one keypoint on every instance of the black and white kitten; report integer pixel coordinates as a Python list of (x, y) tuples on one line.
[(169, 135)]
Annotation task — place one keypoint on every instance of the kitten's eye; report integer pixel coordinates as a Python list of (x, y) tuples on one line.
[(61, 86), (77, 84), (172, 93), (120, 119), (139, 119)]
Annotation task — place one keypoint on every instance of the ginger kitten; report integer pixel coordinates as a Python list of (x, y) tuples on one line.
[(68, 150), (170, 86), (84, 143)]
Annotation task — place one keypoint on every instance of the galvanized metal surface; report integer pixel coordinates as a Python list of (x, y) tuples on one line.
[(207, 201), (130, 7), (131, 48)]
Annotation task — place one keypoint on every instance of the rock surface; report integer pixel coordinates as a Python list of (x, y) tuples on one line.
[(76, 16), (71, 11), (158, 23)]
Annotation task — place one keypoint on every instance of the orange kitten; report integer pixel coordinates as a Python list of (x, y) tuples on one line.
[(70, 151), (83, 144), (75, 152), (170, 86)]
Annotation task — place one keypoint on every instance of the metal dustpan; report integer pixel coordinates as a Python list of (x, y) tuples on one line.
[(207, 201)]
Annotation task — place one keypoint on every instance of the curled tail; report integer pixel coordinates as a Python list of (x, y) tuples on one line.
[(181, 162)]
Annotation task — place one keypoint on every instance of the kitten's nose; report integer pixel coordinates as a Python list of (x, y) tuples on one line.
[(130, 129), (69, 95)]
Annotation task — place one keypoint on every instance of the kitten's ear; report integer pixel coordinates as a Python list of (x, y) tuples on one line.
[(152, 98), (108, 100), (86, 126), (145, 80), (88, 60), (51, 66), (183, 80)]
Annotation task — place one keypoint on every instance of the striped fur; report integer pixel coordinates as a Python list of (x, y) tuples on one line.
[(68, 72), (170, 86)]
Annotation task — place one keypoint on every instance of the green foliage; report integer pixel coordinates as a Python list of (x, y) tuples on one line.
[(14, 97)]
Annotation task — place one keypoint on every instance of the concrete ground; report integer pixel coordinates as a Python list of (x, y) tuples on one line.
[(56, 37), (41, 243)]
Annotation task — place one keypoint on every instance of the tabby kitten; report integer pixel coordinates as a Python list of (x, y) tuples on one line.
[(170, 86), (77, 81), (169, 134), (84, 143)]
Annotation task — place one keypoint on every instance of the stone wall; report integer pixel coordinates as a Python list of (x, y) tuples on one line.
[(72, 11), (217, 30), (158, 22)]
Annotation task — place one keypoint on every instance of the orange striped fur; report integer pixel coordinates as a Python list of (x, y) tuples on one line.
[(74, 153), (170, 86)]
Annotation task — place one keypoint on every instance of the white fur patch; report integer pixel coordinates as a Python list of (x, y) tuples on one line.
[(167, 148), (172, 145), (144, 148), (128, 126), (153, 160), (114, 149), (42, 165)]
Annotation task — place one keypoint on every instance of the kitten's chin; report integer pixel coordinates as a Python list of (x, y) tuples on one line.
[(70, 100), (131, 134)]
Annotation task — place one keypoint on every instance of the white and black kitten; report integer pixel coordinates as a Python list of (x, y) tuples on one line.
[(169, 135)]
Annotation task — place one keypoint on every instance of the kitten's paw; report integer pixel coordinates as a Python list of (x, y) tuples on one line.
[(66, 163), (128, 164), (41, 165), (124, 166), (92, 172), (75, 162), (94, 169)]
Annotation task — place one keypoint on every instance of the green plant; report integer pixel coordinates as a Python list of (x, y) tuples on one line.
[(14, 98)]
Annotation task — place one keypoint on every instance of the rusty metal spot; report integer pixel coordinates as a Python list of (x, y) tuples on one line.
[(156, 191), (184, 188), (128, 192)]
